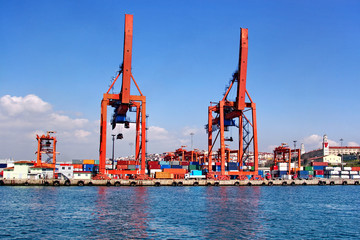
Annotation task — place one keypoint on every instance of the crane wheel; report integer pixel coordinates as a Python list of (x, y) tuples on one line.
[(304, 183), (90, 184), (1, 182), (216, 184), (263, 184), (46, 183), (356, 183), (117, 184), (270, 183), (196, 184), (67, 183), (236, 184), (284, 183), (208, 184), (80, 183), (56, 183), (157, 184), (332, 183), (180, 184), (344, 183), (174, 184), (108, 184), (133, 184), (249, 183), (292, 183)]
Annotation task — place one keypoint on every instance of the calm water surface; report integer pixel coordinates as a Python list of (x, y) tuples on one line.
[(293, 212)]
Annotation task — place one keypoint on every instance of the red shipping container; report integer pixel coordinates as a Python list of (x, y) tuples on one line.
[(319, 172), (78, 166), (154, 166), (132, 163), (184, 163), (122, 162), (121, 167), (355, 169), (319, 164), (218, 163), (251, 164), (274, 167)]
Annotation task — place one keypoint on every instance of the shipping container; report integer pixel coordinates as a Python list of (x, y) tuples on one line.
[(309, 168), (88, 161), (318, 167), (164, 175), (165, 166), (319, 164), (355, 169), (175, 170)]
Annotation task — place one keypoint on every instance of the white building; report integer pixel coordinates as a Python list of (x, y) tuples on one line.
[(82, 175), (39, 172), (20, 170), (65, 171)]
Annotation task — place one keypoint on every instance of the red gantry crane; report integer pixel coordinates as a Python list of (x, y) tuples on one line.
[(226, 112), (284, 154), (46, 150), (123, 103)]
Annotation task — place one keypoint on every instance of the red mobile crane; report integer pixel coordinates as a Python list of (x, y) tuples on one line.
[(226, 111), (124, 102)]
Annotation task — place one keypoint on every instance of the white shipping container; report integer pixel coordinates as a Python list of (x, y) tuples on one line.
[(334, 176), (153, 171), (301, 168), (334, 172), (337, 168), (287, 177), (283, 168), (345, 176), (329, 168), (347, 168), (344, 172), (354, 172), (355, 177)]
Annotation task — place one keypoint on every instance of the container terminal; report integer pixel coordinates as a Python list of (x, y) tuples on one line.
[(214, 167)]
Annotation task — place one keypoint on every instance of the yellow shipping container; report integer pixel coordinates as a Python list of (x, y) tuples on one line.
[(88, 161), (164, 175)]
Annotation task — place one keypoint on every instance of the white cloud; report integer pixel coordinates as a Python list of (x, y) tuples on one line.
[(82, 133), (22, 105), (24, 117), (158, 133)]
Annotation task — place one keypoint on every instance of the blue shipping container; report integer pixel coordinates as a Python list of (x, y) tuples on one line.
[(176, 166), (318, 167), (196, 172), (165, 166), (194, 163)]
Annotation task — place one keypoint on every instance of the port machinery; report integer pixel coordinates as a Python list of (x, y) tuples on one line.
[(284, 154), (226, 112), (123, 103), (46, 150)]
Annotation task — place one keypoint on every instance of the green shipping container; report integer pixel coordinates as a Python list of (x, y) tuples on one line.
[(311, 173), (309, 168), (193, 167)]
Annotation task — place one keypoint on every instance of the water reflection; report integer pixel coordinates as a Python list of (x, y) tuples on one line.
[(121, 212)]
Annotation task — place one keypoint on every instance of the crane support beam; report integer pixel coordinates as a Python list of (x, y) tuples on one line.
[(126, 77), (243, 56)]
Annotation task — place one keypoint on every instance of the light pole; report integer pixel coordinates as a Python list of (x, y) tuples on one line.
[(113, 140), (191, 134), (295, 144), (341, 144)]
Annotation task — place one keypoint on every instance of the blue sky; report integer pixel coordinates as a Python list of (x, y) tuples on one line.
[(303, 69)]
